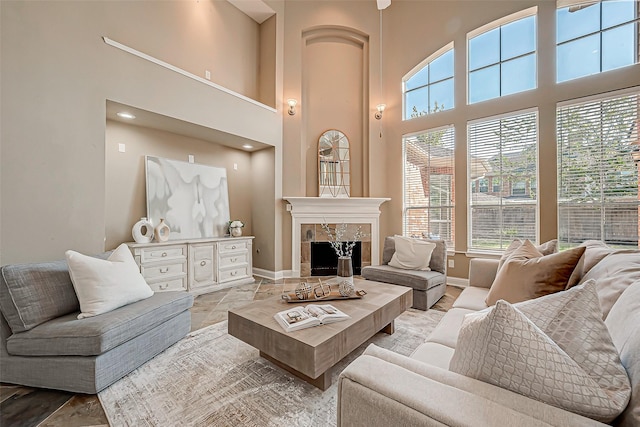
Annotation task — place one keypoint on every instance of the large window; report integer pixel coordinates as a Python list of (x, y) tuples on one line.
[(428, 184), (502, 58), (596, 37), (597, 178), (429, 88), (503, 150)]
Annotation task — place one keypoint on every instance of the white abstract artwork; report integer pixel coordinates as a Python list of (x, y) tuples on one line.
[(193, 199)]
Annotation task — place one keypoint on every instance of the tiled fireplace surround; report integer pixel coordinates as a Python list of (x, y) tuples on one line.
[(311, 233), (308, 213)]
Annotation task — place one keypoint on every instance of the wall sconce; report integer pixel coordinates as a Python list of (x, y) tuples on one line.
[(292, 106), (380, 108)]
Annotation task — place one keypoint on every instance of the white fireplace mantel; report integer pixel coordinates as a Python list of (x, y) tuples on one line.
[(349, 210)]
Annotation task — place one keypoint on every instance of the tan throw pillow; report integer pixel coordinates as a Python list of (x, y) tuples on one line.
[(412, 254), (502, 346), (527, 274), (547, 248), (104, 285)]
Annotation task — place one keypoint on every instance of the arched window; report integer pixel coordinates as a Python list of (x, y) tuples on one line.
[(428, 88), (502, 57)]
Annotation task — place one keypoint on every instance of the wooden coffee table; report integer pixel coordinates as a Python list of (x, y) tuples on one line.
[(310, 353)]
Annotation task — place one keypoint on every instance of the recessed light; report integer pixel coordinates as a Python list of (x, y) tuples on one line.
[(247, 146), (126, 115)]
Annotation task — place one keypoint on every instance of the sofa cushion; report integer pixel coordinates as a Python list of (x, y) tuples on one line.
[(472, 298), (623, 323), (438, 256), (416, 279), (594, 252), (503, 347), (434, 354), (615, 273), (412, 254), (446, 333), (31, 294), (67, 335), (528, 274)]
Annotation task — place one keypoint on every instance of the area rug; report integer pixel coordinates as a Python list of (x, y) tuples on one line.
[(213, 379)]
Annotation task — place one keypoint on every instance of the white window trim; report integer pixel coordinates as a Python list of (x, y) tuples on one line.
[(532, 11)]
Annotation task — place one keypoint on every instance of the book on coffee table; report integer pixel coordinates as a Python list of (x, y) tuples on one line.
[(308, 316)]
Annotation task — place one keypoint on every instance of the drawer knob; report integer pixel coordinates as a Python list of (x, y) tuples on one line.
[(164, 254), (233, 273), (233, 247), (165, 286), (234, 259), (164, 270), (203, 263)]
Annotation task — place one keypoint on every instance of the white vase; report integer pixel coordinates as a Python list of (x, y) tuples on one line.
[(142, 231), (235, 231), (162, 231)]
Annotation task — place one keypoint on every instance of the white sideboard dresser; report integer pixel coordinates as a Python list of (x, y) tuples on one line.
[(196, 265)]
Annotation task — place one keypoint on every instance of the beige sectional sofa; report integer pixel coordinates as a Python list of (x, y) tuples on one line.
[(383, 388)]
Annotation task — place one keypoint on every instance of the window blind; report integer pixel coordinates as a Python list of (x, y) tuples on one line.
[(502, 172), (429, 184), (597, 177)]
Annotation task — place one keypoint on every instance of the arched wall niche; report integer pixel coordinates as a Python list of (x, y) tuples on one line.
[(335, 95)]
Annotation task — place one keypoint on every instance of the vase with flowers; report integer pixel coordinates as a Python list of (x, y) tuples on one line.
[(343, 247), (235, 228)]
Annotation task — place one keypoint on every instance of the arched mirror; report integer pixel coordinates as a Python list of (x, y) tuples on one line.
[(333, 165)]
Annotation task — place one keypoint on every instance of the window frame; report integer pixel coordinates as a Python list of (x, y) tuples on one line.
[(503, 179), (421, 66), (532, 11), (450, 207), (602, 203), (567, 4)]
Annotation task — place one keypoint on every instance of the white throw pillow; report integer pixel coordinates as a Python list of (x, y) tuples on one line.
[(104, 285), (563, 355), (412, 254)]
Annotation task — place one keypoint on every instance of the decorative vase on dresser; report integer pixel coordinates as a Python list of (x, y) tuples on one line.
[(235, 231), (196, 265), (142, 231), (162, 231)]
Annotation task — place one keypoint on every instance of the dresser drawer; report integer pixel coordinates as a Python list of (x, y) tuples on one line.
[(167, 270), (233, 274), (232, 246), (202, 266), (236, 259), (163, 253), (178, 284)]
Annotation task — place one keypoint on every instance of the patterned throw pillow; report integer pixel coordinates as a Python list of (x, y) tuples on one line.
[(561, 355)]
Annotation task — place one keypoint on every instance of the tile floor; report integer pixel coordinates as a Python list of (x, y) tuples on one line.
[(27, 407)]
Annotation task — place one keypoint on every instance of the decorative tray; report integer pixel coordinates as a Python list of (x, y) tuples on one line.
[(320, 292), (333, 295)]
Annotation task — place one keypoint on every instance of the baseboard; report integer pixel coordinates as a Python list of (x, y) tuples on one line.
[(457, 281), (271, 275)]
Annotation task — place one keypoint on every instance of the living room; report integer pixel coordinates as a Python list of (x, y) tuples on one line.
[(212, 79)]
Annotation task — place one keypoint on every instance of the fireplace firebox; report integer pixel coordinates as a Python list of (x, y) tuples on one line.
[(324, 261)]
